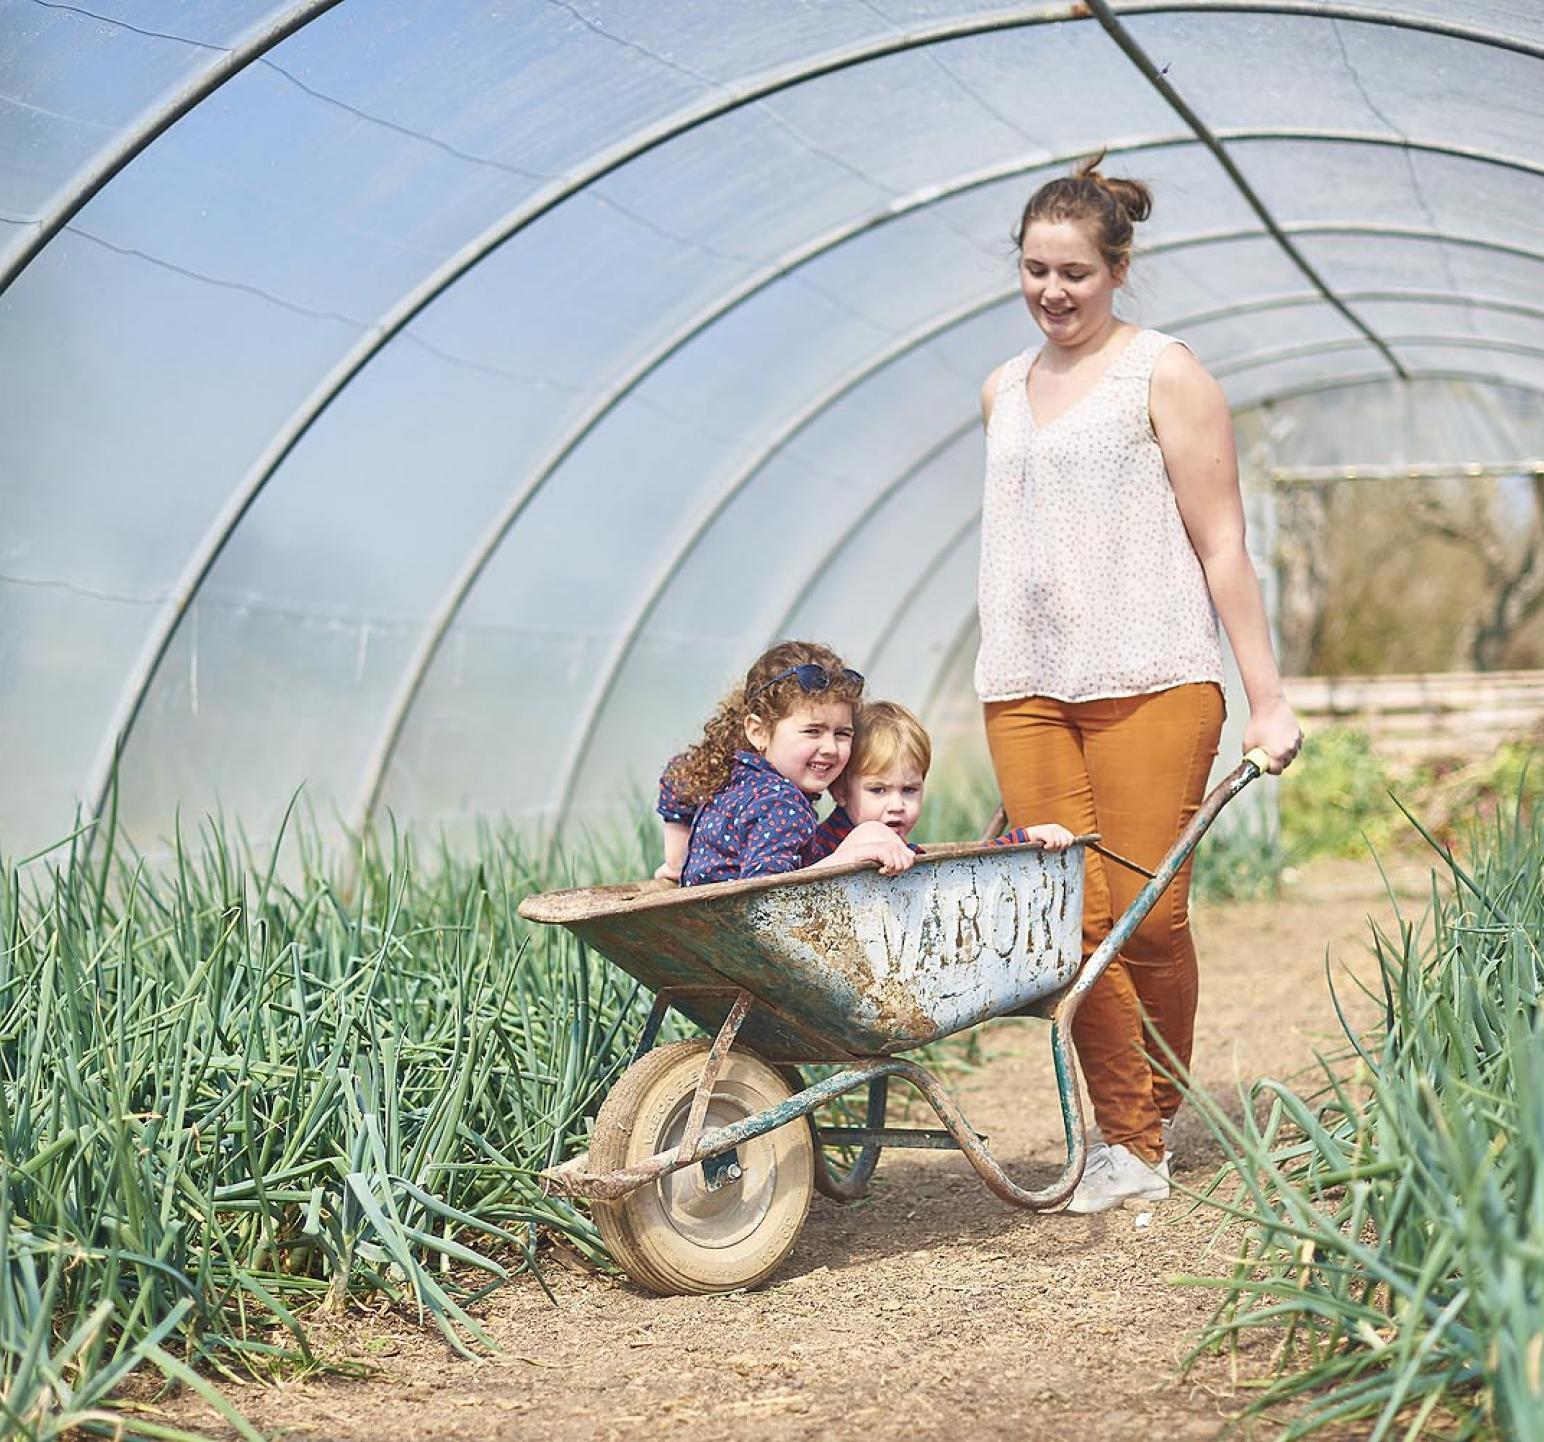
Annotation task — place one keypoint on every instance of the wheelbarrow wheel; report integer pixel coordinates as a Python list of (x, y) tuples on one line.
[(677, 1235)]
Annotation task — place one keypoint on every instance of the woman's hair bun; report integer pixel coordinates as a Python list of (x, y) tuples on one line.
[(1131, 195), (1110, 205)]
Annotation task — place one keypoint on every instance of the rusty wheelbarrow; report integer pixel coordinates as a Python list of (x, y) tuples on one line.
[(698, 1176)]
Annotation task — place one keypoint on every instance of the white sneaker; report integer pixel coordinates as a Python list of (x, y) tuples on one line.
[(1097, 1143), (1114, 1175)]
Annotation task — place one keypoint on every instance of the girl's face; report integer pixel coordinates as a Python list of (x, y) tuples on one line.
[(893, 797), (1068, 285), (809, 746)]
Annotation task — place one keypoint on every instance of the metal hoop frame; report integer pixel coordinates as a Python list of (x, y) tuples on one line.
[(252, 44), (416, 671), (158, 643), (611, 668)]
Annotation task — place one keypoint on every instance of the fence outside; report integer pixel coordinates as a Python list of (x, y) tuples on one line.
[(1415, 718)]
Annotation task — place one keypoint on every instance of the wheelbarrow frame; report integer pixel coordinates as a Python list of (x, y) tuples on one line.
[(714, 1149)]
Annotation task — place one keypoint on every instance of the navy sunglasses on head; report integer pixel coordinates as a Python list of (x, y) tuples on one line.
[(811, 676)]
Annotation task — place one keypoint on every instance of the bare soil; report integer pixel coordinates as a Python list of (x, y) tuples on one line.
[(928, 1310)]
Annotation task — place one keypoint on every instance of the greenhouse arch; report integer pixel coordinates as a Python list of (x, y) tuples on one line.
[(396, 394)]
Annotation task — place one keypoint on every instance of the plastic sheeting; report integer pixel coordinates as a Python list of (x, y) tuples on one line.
[(437, 406)]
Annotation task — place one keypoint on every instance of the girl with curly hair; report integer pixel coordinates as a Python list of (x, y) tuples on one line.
[(741, 801)]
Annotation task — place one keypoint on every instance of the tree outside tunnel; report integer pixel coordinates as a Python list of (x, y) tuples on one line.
[(1411, 571)]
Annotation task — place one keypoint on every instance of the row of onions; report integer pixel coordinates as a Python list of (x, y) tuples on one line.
[(233, 1091), (1392, 1210)]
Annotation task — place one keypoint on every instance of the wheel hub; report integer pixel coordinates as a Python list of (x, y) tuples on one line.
[(721, 1215)]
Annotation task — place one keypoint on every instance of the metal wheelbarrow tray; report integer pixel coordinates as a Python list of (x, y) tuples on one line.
[(697, 1179)]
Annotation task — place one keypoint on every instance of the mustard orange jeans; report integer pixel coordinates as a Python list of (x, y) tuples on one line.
[(1133, 768)]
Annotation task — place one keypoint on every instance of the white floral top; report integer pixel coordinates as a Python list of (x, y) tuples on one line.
[(1089, 584)]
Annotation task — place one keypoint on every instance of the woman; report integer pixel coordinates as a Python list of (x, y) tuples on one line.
[(1112, 541)]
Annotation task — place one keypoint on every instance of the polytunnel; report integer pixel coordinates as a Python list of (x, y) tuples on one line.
[(437, 405)]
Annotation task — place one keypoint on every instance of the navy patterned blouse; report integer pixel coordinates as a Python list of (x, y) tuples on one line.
[(760, 824), (757, 824)]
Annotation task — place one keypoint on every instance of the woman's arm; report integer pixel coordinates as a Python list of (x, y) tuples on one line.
[(1191, 420), (989, 395)]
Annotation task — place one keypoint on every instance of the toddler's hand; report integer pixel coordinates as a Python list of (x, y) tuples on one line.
[(874, 841), (894, 855), (1051, 837), (877, 842), (666, 872)]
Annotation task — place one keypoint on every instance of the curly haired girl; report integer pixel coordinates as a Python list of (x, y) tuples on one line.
[(740, 802)]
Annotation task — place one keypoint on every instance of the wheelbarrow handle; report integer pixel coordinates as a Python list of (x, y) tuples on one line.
[(1254, 765)]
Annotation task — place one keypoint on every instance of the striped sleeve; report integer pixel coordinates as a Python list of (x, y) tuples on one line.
[(830, 834)]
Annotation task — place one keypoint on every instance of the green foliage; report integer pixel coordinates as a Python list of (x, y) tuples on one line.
[(1451, 796), (1334, 798), (1393, 1219), (228, 1098), (957, 806), (1240, 858), (1338, 797)]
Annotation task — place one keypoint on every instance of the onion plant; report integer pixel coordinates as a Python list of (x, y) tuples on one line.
[(232, 1093), (1394, 1218)]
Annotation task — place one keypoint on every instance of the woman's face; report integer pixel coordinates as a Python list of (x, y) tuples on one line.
[(1068, 285)]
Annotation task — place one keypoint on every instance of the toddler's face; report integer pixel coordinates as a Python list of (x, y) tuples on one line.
[(809, 746), (892, 797)]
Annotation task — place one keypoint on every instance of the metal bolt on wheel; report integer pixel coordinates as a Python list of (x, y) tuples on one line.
[(679, 1234)]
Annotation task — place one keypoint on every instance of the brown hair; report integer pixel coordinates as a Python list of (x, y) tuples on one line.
[(1111, 205), (888, 733), (704, 768)]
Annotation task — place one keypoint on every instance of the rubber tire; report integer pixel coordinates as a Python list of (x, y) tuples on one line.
[(649, 1231)]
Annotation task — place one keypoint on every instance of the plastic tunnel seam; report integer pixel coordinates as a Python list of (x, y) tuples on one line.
[(1155, 77), (69, 202)]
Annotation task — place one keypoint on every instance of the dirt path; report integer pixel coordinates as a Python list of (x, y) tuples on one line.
[(929, 1310)]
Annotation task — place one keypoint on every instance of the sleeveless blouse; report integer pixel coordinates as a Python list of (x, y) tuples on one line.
[(1089, 585)]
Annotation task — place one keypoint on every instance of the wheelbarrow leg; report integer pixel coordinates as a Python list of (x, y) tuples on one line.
[(711, 1068), (848, 1186), (975, 1148)]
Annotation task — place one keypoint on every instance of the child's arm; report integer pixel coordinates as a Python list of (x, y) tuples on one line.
[(676, 816), (830, 834), (872, 841), (1049, 837), (677, 834)]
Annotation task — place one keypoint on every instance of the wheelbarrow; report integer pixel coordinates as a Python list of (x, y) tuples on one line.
[(705, 1154)]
